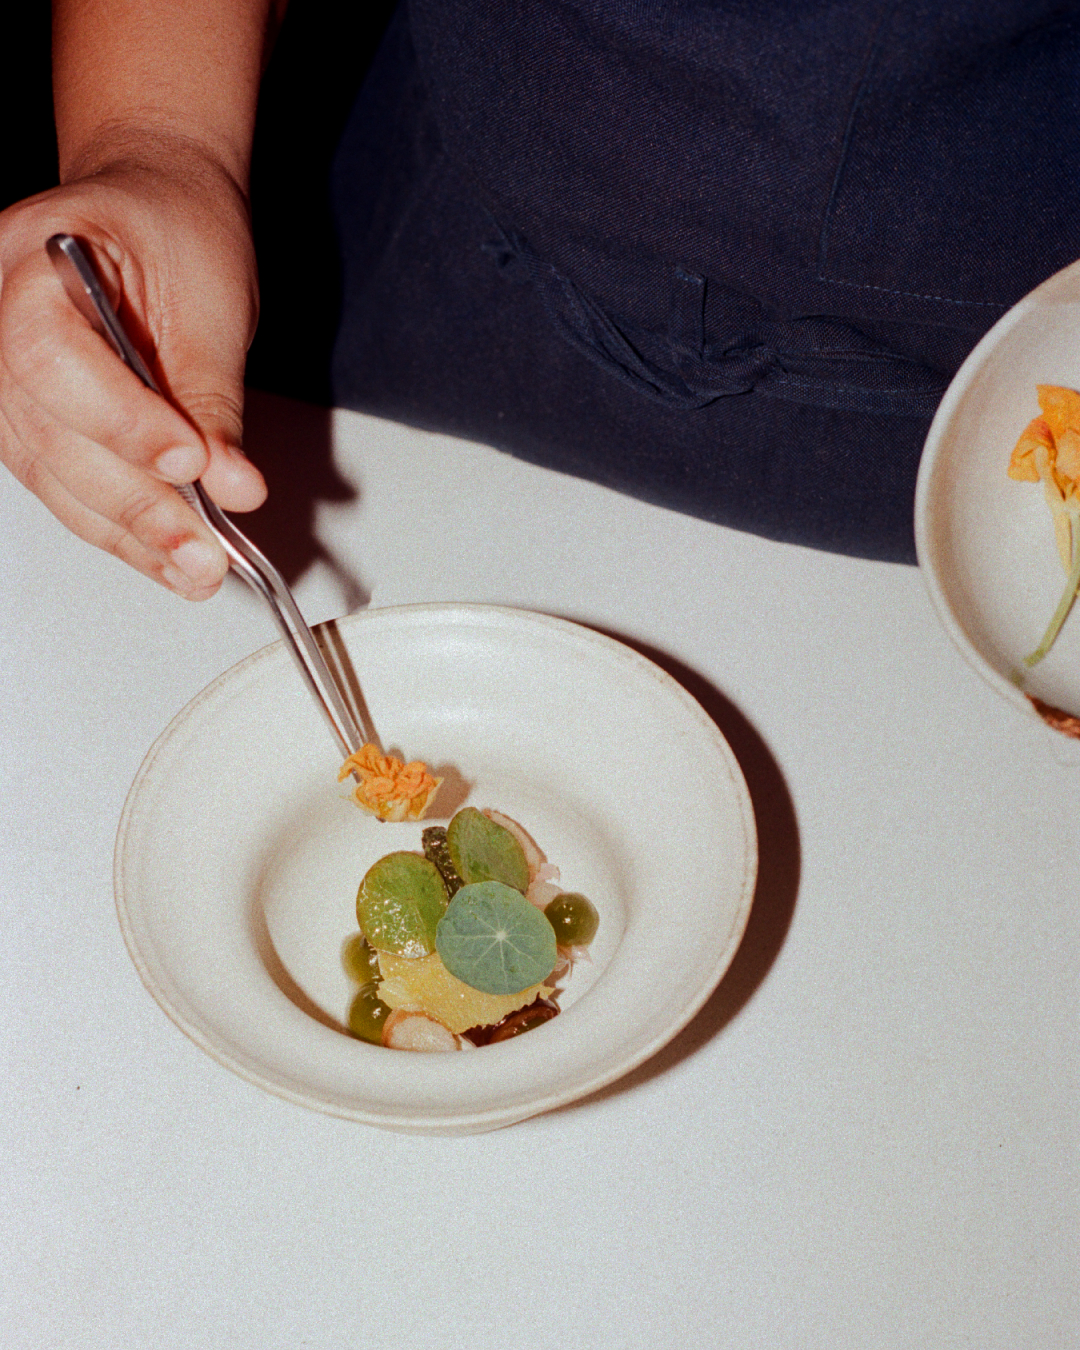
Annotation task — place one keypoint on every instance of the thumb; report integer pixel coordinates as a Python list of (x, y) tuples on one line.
[(211, 395)]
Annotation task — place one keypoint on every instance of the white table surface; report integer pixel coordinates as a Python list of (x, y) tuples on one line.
[(867, 1139)]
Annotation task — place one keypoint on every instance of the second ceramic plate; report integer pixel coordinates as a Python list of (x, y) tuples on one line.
[(986, 543)]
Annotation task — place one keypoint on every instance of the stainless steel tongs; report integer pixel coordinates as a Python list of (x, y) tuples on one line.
[(86, 293)]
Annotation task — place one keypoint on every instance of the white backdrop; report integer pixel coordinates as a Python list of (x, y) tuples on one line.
[(867, 1139)]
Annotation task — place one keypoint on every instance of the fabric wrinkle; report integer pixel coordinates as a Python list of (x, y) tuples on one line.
[(723, 257), (811, 360)]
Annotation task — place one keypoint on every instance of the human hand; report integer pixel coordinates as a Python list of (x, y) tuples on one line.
[(168, 231)]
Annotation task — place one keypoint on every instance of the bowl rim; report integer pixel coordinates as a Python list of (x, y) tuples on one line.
[(930, 467), (419, 1120)]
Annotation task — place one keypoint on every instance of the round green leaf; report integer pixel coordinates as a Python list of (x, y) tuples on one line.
[(494, 940), (400, 901), (484, 851)]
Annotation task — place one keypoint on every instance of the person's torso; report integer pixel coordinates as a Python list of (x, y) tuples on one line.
[(881, 160)]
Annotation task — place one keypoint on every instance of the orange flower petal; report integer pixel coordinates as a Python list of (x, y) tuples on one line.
[(1022, 464), (387, 787), (1067, 465), (1060, 407)]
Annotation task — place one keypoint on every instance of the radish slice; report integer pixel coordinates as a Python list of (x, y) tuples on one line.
[(541, 893), (404, 1030), (563, 966), (533, 855)]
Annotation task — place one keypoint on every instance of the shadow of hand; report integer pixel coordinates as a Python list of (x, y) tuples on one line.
[(292, 445)]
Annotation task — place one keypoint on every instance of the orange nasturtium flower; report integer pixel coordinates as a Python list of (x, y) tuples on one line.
[(1048, 451), (387, 787)]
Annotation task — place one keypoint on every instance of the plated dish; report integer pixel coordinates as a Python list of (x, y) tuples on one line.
[(465, 942), (990, 562), (238, 857)]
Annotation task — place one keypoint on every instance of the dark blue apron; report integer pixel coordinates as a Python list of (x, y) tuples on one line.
[(725, 257)]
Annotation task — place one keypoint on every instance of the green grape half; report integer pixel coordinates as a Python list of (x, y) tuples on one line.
[(360, 961), (574, 919), (367, 1013)]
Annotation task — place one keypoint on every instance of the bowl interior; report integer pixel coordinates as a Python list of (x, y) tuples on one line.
[(986, 542), (239, 857)]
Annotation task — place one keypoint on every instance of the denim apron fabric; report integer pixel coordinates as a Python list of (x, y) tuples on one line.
[(725, 257)]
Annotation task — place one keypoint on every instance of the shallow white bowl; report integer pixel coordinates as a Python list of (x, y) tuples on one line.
[(986, 543), (239, 856)]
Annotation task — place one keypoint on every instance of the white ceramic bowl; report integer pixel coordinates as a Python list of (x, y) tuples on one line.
[(239, 856), (986, 543)]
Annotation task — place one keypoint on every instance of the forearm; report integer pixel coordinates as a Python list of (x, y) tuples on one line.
[(155, 107), (130, 71)]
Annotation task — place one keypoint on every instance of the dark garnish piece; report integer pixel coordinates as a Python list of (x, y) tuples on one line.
[(525, 1019), (478, 1035), (437, 851), (1057, 718)]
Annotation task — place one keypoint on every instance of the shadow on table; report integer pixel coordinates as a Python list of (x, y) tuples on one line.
[(777, 881), (292, 445)]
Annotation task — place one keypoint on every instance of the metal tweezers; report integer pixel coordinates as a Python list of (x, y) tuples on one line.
[(86, 293)]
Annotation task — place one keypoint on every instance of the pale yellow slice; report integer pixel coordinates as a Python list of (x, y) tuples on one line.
[(425, 985)]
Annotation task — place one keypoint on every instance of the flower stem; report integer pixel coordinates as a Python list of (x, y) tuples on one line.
[(1064, 604)]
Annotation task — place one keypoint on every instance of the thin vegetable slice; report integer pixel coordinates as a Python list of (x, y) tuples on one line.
[(417, 1031)]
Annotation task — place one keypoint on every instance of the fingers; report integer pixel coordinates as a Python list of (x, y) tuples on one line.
[(72, 374), (204, 366), (232, 480), (201, 580), (107, 502), (101, 450)]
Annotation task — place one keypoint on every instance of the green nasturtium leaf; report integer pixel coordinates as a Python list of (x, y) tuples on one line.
[(484, 851), (400, 902), (493, 939)]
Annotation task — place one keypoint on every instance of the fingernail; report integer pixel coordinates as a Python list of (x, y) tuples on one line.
[(177, 582), (174, 578), (180, 464), (200, 563)]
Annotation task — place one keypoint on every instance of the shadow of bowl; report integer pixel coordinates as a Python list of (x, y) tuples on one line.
[(777, 880)]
